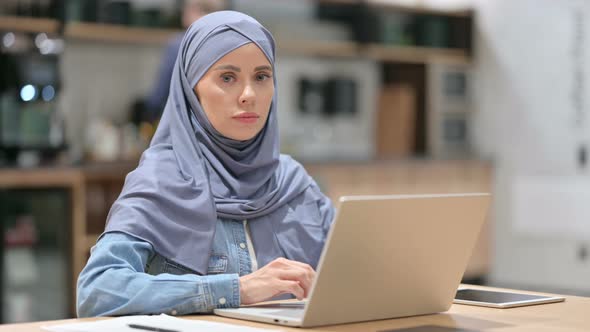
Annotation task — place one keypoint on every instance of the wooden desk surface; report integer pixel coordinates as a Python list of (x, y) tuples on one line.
[(568, 316)]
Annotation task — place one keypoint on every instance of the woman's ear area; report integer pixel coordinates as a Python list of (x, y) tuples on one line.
[(196, 91)]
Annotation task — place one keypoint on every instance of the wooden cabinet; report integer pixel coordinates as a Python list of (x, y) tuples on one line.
[(92, 190), (413, 177)]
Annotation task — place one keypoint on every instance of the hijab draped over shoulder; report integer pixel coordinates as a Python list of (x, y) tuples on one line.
[(191, 175)]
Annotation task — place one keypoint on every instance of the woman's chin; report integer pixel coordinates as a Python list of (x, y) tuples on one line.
[(246, 136)]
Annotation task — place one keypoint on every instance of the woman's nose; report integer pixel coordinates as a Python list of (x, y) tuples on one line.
[(248, 95)]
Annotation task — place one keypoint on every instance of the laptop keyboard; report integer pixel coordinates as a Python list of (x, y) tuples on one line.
[(300, 304), (292, 313)]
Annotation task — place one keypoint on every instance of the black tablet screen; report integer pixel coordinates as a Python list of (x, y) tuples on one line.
[(493, 297)]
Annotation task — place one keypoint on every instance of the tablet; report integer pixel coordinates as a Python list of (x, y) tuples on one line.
[(497, 299)]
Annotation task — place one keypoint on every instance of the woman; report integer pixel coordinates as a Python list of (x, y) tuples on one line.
[(213, 216)]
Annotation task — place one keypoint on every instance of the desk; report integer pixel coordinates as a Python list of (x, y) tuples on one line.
[(568, 316)]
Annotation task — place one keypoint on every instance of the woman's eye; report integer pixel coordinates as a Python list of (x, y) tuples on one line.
[(227, 78), (262, 77)]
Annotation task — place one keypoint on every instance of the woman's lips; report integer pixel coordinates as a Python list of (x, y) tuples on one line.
[(247, 117)]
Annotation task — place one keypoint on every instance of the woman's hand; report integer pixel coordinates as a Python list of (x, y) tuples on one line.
[(281, 276)]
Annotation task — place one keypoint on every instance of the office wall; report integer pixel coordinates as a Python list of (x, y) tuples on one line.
[(532, 93), (101, 80)]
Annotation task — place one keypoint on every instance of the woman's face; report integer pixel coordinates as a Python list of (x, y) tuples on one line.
[(236, 92)]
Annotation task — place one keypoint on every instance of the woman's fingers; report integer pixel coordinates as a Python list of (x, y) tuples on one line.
[(293, 270), (288, 262), (307, 267), (278, 277), (303, 277), (292, 287)]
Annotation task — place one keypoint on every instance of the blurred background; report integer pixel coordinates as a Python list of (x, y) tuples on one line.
[(375, 97)]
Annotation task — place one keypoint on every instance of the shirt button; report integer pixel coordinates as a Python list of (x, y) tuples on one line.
[(243, 245), (222, 300), (174, 312)]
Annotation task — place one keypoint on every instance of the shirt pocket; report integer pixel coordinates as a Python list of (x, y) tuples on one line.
[(217, 264)]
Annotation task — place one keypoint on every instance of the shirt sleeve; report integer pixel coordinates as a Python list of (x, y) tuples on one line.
[(114, 282)]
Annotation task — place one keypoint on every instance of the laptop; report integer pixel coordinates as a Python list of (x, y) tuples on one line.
[(385, 257)]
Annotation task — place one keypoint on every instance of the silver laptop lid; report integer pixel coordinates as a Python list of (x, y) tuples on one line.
[(394, 256)]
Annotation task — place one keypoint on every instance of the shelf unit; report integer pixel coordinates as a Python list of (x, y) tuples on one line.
[(78, 181), (419, 9), (415, 54), (382, 53), (112, 33), (81, 180), (337, 49), (388, 5), (29, 24), (340, 2), (118, 33), (63, 178), (90, 241), (400, 176)]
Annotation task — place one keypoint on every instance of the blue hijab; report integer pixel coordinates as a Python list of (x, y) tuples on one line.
[(191, 174)]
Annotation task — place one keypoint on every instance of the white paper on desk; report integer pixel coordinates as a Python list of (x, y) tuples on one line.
[(121, 324)]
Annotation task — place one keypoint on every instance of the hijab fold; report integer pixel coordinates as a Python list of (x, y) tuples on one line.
[(191, 174)]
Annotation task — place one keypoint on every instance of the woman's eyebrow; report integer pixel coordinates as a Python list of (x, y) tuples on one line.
[(262, 68), (234, 68), (230, 67)]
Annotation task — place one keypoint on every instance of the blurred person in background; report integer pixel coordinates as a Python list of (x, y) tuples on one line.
[(213, 216), (192, 11)]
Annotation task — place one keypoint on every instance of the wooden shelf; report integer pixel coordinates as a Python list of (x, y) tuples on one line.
[(416, 54), (420, 9), (118, 33), (108, 171), (400, 7), (29, 24), (39, 177), (405, 54), (90, 241), (340, 2), (319, 48), (111, 33)]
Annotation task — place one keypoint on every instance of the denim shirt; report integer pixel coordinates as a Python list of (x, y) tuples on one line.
[(117, 261), (125, 275)]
